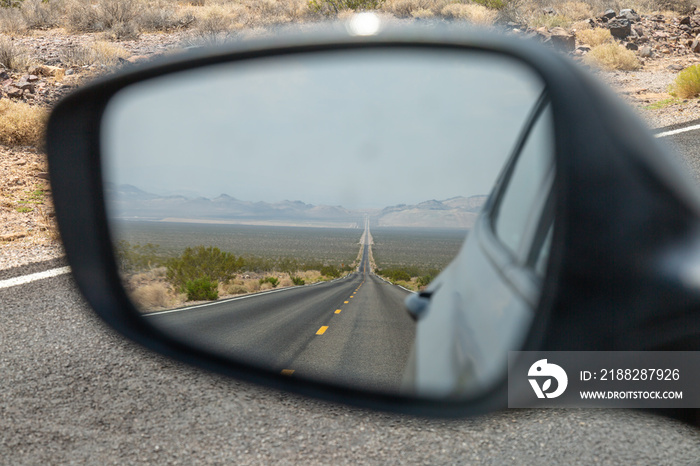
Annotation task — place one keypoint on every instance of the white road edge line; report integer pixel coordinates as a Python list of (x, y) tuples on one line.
[(24, 279), (677, 131)]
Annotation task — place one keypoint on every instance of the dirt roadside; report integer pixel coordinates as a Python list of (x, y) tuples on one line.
[(27, 226)]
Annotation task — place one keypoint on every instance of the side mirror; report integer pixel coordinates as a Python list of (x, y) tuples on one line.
[(269, 212)]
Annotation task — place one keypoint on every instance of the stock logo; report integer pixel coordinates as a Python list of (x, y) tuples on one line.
[(542, 370)]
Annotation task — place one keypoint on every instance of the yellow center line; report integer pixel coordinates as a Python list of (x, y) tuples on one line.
[(322, 330), (287, 372), (337, 311), (346, 302)]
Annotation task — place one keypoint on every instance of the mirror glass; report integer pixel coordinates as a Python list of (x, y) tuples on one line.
[(280, 210)]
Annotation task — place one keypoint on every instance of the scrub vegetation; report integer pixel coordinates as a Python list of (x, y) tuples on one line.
[(687, 83), (156, 279), (21, 124)]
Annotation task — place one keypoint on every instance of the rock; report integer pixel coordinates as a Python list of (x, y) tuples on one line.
[(675, 67), (629, 14), (619, 28), (639, 30), (42, 175), (631, 46), (646, 52), (4, 76), (13, 92), (695, 45), (549, 11), (138, 58), (70, 72), (25, 86), (686, 20), (47, 71), (609, 14)]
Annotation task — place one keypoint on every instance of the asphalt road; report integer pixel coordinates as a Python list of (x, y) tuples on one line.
[(73, 392), (353, 330)]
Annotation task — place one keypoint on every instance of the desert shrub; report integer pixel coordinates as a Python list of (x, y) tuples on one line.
[(252, 285), (330, 271), (422, 13), (297, 281), (262, 12), (407, 8), (152, 296), (12, 21), (21, 124), (97, 53), (234, 289), (594, 37), (687, 83), (493, 4), (424, 280), (201, 262), (12, 56), (163, 16), (336, 6), (203, 288), (40, 14), (274, 281), (612, 56), (472, 13), (394, 274), (120, 15), (577, 10), (136, 257)]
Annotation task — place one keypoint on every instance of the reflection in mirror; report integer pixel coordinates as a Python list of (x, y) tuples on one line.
[(279, 211)]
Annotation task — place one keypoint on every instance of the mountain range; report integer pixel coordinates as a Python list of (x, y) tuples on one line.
[(132, 203)]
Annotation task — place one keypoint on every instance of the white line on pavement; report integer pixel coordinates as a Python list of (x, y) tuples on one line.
[(677, 131), (24, 279)]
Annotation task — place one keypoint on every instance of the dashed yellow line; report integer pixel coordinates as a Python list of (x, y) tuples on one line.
[(322, 330), (337, 311), (346, 302), (287, 372)]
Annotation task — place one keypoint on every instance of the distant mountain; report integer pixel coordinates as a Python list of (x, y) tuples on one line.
[(456, 212), (130, 202)]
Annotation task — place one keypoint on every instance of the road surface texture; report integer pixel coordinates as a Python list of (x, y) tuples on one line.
[(73, 392)]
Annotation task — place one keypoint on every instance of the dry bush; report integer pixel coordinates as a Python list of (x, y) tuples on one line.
[(405, 8), (594, 37), (21, 124), (153, 296), (310, 276), (232, 289), (163, 16), (120, 15), (42, 14), (216, 23), (97, 53), (612, 56), (285, 282), (122, 31), (687, 83), (13, 56), (473, 13), (263, 12), (576, 10), (422, 14), (253, 285), (12, 21), (266, 286)]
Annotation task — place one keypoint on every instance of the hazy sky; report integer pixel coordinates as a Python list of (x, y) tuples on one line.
[(358, 129)]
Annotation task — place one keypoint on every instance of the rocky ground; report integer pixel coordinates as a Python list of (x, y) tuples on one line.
[(664, 44)]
